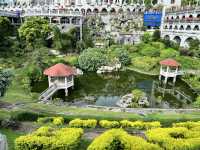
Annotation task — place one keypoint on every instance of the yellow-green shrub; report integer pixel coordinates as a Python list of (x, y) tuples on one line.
[(125, 124), (176, 138), (188, 124), (78, 123), (140, 125), (58, 121), (118, 139), (46, 138), (152, 125), (109, 124)]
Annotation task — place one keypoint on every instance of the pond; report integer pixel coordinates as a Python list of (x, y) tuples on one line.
[(107, 89)]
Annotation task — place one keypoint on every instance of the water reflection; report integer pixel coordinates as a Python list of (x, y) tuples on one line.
[(106, 90)]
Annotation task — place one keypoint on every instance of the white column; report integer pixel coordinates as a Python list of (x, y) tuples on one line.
[(81, 28), (49, 80), (65, 81)]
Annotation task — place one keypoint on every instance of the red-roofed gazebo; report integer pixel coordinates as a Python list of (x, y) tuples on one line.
[(170, 62), (60, 76), (60, 70), (169, 68)]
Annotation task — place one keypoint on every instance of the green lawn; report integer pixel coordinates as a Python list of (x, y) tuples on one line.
[(11, 136), (85, 113), (17, 92)]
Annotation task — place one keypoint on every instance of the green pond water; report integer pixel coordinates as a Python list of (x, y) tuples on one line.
[(107, 89)]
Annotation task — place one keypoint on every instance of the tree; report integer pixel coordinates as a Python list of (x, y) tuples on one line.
[(91, 59), (146, 38), (34, 31), (156, 35), (122, 55), (5, 27), (194, 47), (87, 37), (5, 30)]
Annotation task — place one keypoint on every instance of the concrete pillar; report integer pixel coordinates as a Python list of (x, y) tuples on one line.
[(81, 29), (166, 77), (65, 81), (66, 92), (49, 80)]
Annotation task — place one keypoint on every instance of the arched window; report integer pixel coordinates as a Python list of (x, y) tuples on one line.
[(181, 27), (188, 27), (196, 27), (177, 39)]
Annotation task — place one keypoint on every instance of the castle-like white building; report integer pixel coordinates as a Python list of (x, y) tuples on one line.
[(181, 25)]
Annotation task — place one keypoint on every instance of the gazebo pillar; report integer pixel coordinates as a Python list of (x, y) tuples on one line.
[(176, 72), (49, 80)]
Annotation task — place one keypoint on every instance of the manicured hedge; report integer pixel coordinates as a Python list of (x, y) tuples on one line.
[(55, 120), (118, 139), (109, 124), (140, 125), (176, 138), (46, 138), (78, 123), (58, 121), (188, 124)]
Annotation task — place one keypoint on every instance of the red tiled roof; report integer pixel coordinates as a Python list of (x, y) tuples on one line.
[(170, 62), (59, 70)]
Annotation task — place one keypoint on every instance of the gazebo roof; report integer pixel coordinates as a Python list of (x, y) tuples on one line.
[(60, 70), (170, 62)]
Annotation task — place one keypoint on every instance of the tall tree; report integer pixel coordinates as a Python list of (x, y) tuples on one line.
[(35, 30)]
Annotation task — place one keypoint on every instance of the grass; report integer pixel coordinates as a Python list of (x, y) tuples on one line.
[(4, 114), (17, 92), (70, 113), (80, 112), (11, 136)]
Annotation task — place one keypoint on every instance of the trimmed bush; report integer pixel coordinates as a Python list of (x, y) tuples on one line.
[(46, 138), (118, 139), (58, 121), (78, 123), (176, 138), (25, 116), (139, 125), (188, 124), (109, 124)]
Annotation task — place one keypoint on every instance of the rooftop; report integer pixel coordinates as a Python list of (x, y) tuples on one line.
[(170, 62), (60, 70)]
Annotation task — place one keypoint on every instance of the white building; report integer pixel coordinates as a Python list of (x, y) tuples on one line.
[(181, 25), (170, 3)]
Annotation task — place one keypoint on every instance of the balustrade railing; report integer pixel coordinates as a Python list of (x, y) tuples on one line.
[(182, 20), (50, 13)]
